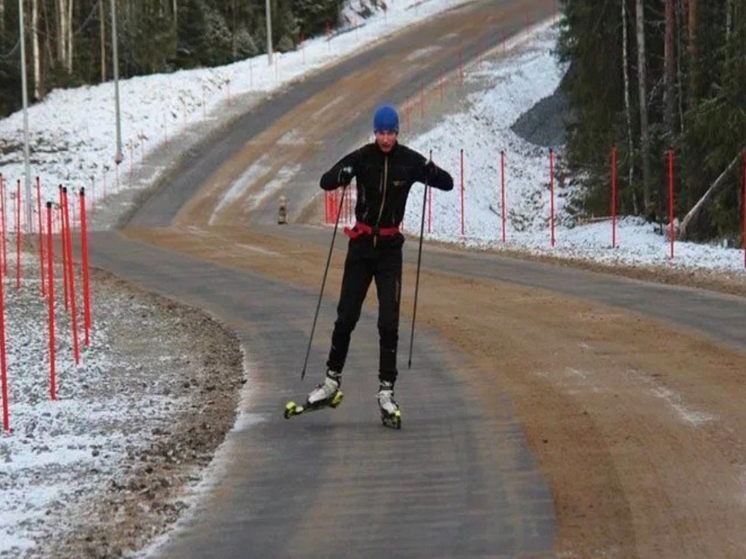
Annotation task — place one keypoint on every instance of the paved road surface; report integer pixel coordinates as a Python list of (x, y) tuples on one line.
[(500, 455)]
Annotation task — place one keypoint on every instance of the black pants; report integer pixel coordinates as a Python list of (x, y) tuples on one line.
[(366, 262)]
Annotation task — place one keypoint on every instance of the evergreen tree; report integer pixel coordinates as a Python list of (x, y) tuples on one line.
[(10, 72), (289, 28), (590, 41), (154, 36)]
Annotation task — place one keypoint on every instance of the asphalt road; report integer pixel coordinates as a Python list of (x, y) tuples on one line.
[(459, 480)]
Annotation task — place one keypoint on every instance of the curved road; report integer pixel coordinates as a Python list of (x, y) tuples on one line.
[(549, 412)]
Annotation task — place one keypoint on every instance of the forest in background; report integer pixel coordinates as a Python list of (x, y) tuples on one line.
[(649, 75), (68, 42), (644, 75)]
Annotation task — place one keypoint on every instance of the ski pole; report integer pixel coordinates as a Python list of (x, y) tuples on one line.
[(323, 282), (419, 260)]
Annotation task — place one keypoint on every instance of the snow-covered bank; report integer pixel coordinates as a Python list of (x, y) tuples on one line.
[(126, 426), (501, 91), (72, 133)]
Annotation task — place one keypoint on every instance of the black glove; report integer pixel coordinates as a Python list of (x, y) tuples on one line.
[(344, 177), (430, 170)]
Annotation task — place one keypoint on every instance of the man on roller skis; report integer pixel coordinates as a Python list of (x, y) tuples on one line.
[(385, 171)]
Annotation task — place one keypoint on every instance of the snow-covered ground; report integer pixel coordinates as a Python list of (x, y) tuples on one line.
[(72, 141), (482, 128)]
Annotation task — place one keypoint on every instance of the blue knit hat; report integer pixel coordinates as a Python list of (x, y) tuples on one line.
[(386, 119)]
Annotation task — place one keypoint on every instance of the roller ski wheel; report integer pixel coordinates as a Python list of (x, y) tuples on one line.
[(391, 420), (390, 412), (292, 409)]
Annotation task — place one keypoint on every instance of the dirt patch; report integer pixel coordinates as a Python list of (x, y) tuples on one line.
[(176, 353), (545, 124)]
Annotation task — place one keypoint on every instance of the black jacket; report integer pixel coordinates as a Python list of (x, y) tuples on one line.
[(384, 180)]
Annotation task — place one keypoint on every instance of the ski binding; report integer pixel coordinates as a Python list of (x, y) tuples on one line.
[(391, 420), (292, 409)]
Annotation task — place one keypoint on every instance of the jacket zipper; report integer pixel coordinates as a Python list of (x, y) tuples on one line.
[(383, 199)]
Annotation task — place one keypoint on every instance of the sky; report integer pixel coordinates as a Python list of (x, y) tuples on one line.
[(73, 142)]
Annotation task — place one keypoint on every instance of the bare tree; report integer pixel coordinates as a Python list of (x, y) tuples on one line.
[(711, 191), (61, 8), (36, 48), (691, 47), (628, 104), (642, 88), (64, 9), (2, 17), (669, 69), (69, 36), (102, 36)]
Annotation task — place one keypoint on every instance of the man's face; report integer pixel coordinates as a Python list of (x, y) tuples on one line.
[(386, 140)]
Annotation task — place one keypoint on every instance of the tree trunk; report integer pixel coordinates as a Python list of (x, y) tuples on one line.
[(2, 17), (728, 19), (719, 182), (61, 31), (36, 46), (69, 64), (102, 35), (642, 87), (669, 71), (692, 48), (681, 26), (628, 107)]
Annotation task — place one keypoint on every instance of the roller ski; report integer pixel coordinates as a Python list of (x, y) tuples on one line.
[(390, 412), (325, 395)]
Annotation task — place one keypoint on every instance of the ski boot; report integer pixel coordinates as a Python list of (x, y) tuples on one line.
[(390, 412), (325, 395)]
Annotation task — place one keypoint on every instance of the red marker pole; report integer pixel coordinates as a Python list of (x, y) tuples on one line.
[(4, 363), (63, 234), (2, 222), (5, 229), (71, 275), (551, 190), (422, 101), (18, 237), (744, 209), (463, 224), (613, 197), (671, 231), (50, 266), (86, 283), (41, 237), (502, 190), (461, 68)]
